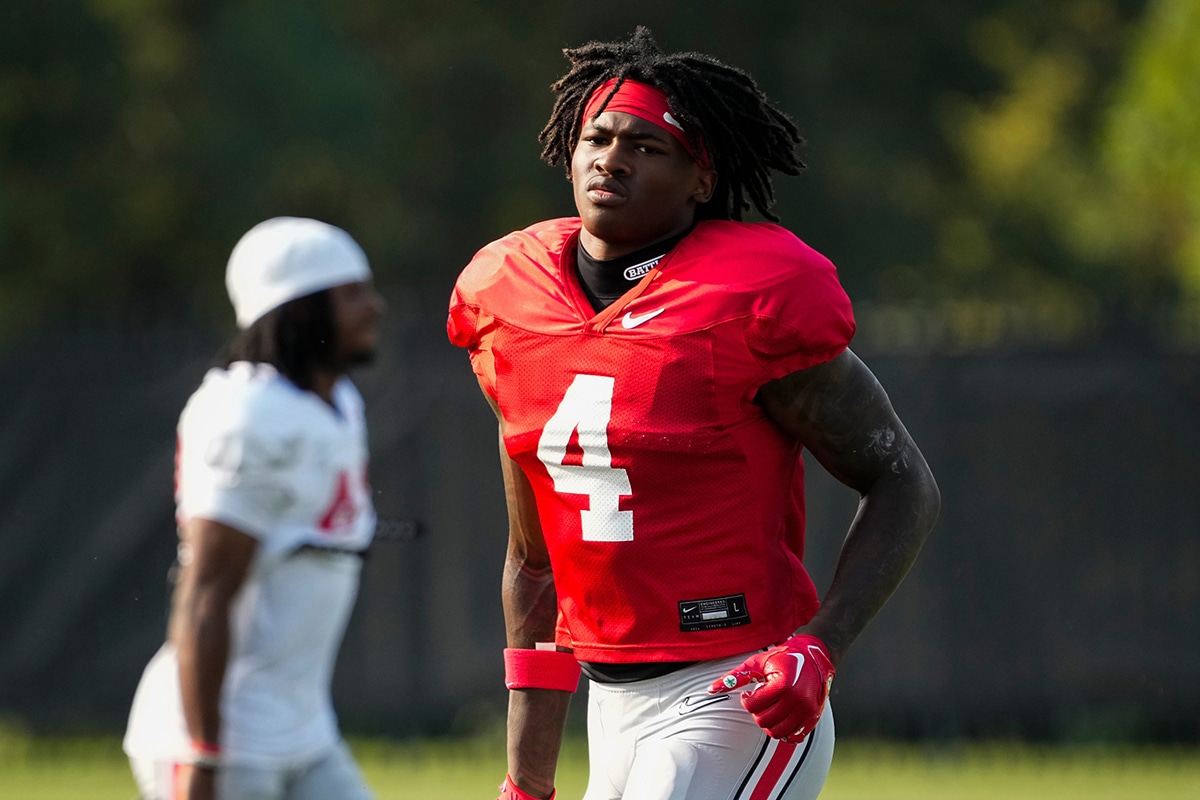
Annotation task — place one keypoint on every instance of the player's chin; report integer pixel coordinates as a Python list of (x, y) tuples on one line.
[(618, 227), (362, 357), (604, 221), (358, 356)]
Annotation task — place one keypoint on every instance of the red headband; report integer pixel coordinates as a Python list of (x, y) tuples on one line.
[(649, 103)]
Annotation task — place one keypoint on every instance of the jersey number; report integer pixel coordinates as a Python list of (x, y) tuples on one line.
[(586, 408), (342, 511)]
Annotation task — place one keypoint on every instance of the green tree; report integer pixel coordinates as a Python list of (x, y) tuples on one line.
[(1083, 172), (1150, 143), (979, 165)]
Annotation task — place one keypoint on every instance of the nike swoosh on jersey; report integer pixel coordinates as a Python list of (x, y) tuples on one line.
[(630, 321), (693, 703)]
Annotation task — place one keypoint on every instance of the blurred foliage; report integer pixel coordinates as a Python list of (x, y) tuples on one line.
[(1081, 171), (1014, 165), (1151, 141)]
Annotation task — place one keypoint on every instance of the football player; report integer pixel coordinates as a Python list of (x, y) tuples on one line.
[(274, 513), (656, 367)]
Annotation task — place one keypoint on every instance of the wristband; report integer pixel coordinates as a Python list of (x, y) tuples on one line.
[(508, 789), (540, 669), (206, 755)]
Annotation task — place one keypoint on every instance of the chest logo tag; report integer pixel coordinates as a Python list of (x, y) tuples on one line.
[(630, 321)]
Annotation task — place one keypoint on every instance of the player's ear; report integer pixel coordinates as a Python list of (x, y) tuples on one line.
[(706, 182)]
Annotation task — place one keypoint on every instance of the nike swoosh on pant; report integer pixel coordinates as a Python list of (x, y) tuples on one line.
[(694, 703)]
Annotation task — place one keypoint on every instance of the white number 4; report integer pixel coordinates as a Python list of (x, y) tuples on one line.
[(587, 407)]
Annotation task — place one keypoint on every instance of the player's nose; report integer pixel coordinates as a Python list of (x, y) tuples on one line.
[(378, 306), (612, 161)]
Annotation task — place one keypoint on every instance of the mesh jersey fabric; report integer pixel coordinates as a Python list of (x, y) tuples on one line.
[(662, 487)]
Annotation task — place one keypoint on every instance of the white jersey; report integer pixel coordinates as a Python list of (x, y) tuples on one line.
[(279, 464)]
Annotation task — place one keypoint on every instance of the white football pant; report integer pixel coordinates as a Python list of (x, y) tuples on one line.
[(668, 739), (333, 776)]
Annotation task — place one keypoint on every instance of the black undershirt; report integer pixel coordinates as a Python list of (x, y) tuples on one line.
[(605, 282)]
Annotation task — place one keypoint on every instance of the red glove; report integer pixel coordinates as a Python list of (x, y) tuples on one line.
[(794, 680), (510, 791)]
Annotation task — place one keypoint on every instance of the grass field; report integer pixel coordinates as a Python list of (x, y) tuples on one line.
[(94, 769)]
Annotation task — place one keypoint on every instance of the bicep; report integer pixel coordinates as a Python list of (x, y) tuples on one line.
[(526, 542), (218, 559), (527, 595), (841, 413)]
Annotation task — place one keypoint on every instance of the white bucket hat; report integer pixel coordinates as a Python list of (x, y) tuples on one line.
[(288, 257)]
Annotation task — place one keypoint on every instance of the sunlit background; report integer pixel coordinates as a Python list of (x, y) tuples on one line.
[(1010, 190)]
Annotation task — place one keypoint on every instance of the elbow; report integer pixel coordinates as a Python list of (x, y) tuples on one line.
[(928, 497), (203, 614), (521, 572), (913, 491)]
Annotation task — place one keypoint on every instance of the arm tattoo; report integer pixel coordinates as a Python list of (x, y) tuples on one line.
[(842, 415)]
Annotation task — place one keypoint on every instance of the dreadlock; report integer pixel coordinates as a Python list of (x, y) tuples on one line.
[(295, 338), (744, 134)]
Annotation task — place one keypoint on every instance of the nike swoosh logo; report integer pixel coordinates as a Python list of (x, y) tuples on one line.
[(630, 321), (799, 666), (688, 609), (694, 703)]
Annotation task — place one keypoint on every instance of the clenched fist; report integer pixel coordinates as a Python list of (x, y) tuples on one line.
[(793, 685)]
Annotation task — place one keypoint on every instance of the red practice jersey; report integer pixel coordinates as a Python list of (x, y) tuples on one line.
[(671, 505)]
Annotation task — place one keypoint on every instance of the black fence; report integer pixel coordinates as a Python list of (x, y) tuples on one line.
[(1058, 598)]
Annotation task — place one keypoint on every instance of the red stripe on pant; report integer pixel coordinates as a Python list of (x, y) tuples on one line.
[(770, 777)]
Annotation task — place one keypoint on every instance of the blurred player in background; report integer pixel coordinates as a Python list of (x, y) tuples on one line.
[(656, 367), (274, 513)]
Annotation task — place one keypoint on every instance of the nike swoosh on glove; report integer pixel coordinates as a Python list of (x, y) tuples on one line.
[(793, 680)]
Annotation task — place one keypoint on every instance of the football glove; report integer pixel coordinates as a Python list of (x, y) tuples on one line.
[(793, 681)]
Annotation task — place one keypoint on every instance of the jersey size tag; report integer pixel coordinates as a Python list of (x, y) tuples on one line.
[(714, 612)]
